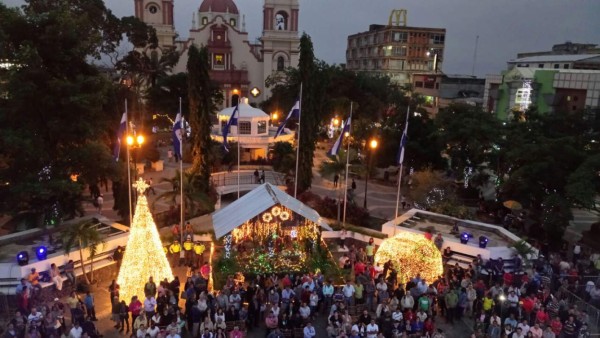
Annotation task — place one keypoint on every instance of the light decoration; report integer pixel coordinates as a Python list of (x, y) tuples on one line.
[(276, 211), (468, 173), (228, 240), (267, 217), (523, 96), (144, 256), (294, 233), (284, 216), (411, 254)]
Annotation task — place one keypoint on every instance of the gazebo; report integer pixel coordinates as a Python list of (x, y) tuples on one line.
[(269, 231), (253, 131)]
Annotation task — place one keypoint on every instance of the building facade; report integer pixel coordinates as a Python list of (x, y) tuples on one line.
[(441, 90), (396, 50), (240, 66), (548, 89), (565, 48)]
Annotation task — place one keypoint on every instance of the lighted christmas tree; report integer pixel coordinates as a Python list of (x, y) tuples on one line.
[(144, 255)]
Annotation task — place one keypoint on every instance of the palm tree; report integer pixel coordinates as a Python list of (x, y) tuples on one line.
[(194, 198), (86, 236)]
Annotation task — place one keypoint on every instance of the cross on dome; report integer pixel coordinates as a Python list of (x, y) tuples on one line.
[(141, 185)]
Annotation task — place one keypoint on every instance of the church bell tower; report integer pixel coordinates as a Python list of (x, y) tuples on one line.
[(281, 44), (158, 14)]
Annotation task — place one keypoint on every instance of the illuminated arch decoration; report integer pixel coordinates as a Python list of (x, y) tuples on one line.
[(411, 254)]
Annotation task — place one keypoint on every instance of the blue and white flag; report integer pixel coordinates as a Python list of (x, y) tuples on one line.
[(233, 121), (294, 112), (120, 136), (338, 143), (403, 144), (178, 135)]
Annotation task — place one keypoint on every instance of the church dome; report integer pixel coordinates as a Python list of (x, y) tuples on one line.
[(219, 6)]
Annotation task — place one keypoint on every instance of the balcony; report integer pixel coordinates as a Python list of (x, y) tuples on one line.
[(230, 76)]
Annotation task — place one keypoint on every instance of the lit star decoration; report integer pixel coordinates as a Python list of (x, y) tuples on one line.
[(144, 255), (411, 253)]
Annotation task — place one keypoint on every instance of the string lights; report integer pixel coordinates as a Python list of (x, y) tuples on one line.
[(144, 256), (411, 254)]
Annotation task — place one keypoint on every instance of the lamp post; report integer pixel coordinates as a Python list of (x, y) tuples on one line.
[(139, 140), (373, 145)]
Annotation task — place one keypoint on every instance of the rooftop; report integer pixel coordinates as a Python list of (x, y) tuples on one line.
[(555, 58)]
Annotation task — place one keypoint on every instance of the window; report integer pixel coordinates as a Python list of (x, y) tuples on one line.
[(438, 39), (262, 127), (218, 61), (399, 37), (399, 51), (556, 66), (280, 64), (281, 21), (204, 20), (419, 84), (232, 22), (540, 65), (566, 66), (244, 127)]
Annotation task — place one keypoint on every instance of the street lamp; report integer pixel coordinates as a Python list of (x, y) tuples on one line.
[(373, 145), (130, 144), (336, 121)]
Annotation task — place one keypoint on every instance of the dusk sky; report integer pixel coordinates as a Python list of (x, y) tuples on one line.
[(505, 27)]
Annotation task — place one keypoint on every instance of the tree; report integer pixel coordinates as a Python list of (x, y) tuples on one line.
[(314, 84), (468, 134), (204, 95), (583, 185), (194, 200), (284, 157), (52, 121), (84, 235)]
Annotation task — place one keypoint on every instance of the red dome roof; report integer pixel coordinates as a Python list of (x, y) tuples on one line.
[(219, 6)]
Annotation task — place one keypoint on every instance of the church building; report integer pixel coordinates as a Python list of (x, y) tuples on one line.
[(240, 66)]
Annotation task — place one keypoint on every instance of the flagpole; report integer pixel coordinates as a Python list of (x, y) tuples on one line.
[(298, 146), (128, 163), (238, 145), (400, 169), (347, 169), (181, 176)]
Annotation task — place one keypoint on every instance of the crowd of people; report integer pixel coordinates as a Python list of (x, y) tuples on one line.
[(498, 302)]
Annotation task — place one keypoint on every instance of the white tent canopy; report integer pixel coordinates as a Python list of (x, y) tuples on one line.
[(254, 203)]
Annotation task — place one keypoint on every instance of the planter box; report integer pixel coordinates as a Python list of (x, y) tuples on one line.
[(158, 165)]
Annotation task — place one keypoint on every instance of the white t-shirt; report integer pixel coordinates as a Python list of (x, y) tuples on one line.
[(149, 304), (76, 332), (524, 328), (153, 332), (372, 328)]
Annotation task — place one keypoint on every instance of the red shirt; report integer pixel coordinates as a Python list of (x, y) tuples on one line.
[(556, 326), (286, 281), (528, 304), (135, 308), (508, 278), (541, 317), (428, 326), (359, 268)]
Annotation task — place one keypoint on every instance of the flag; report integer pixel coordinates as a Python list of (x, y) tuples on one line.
[(294, 112), (178, 135), (338, 143), (402, 144), (233, 121), (120, 135)]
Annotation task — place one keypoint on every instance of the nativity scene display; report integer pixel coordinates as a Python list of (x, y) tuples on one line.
[(275, 241)]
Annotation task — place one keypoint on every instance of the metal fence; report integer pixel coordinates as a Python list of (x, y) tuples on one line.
[(583, 305), (246, 177)]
